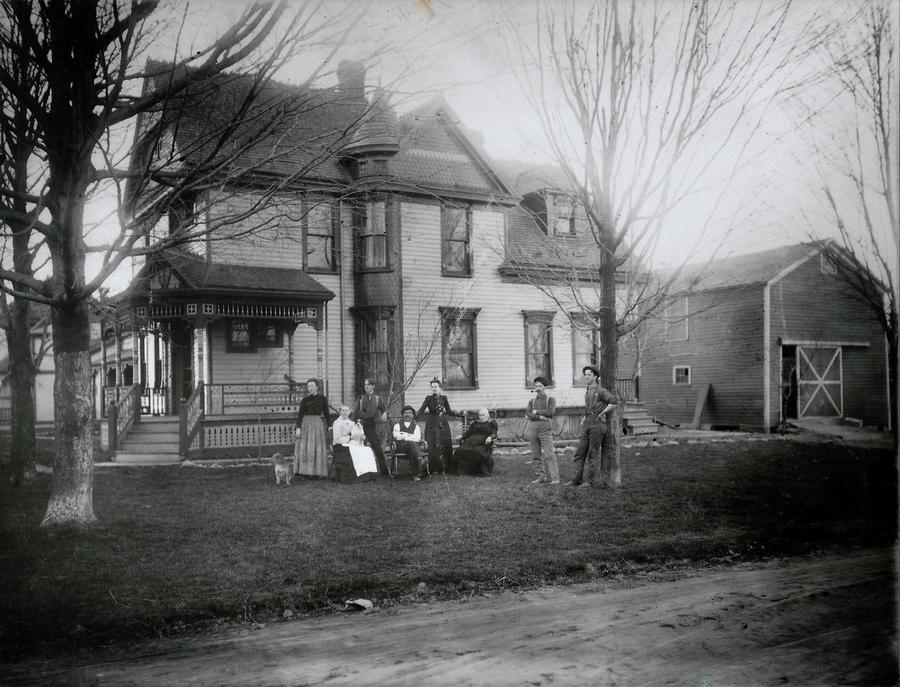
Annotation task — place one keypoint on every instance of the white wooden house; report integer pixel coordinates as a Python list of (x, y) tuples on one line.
[(395, 256)]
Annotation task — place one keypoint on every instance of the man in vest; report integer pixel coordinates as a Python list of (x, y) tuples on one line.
[(598, 402), (407, 434), (368, 410)]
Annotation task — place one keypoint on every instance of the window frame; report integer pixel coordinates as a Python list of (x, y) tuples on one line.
[(457, 315), (182, 212), (333, 236), (690, 379), (545, 317), (564, 207), (577, 377), (684, 318), (255, 340), (230, 345), (362, 210), (467, 215), (365, 321)]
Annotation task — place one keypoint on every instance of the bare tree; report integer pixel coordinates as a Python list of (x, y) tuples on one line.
[(856, 167), (646, 108), (87, 55), (18, 147)]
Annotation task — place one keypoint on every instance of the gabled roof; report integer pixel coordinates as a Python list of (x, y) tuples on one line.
[(195, 274), (742, 270), (321, 126), (436, 151)]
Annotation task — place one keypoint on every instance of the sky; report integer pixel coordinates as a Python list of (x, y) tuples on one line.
[(457, 48)]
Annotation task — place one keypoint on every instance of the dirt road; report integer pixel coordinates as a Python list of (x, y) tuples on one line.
[(818, 621)]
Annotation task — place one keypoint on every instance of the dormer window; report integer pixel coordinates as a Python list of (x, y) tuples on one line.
[(564, 219)]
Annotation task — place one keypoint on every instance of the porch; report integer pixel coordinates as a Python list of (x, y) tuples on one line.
[(251, 420)]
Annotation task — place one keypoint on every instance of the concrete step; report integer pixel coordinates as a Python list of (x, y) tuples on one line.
[(155, 427), (152, 437), (640, 422), (635, 431), (134, 458), (130, 446), (636, 416)]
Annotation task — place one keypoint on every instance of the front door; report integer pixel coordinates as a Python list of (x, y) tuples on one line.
[(819, 379)]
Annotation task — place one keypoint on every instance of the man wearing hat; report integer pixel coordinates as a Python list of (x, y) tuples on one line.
[(407, 434), (598, 402), (368, 411), (539, 414)]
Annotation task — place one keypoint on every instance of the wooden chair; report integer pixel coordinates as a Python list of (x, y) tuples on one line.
[(398, 462)]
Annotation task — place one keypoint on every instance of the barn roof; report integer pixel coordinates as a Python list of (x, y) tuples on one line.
[(741, 270)]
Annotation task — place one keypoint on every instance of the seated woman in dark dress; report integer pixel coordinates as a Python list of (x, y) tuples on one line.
[(473, 457)]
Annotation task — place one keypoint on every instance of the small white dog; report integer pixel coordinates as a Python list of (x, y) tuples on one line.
[(283, 469)]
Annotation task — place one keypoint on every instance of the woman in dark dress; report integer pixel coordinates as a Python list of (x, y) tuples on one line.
[(311, 447), (473, 457), (437, 428)]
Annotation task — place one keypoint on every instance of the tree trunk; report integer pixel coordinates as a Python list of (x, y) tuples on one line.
[(610, 471), (71, 501), (21, 376)]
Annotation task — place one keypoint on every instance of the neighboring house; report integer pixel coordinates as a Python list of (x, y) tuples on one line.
[(42, 349), (396, 256), (775, 335)]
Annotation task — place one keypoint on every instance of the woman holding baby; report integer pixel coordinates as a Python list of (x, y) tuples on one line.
[(311, 446)]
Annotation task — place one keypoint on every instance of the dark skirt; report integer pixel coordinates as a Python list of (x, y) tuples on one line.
[(473, 457), (440, 444), (344, 471)]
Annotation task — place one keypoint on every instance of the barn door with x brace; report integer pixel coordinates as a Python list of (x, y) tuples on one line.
[(819, 377)]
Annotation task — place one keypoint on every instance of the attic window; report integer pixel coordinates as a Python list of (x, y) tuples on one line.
[(564, 222)]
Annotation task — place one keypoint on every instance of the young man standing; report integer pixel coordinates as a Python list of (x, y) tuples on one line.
[(539, 414), (598, 402), (369, 409)]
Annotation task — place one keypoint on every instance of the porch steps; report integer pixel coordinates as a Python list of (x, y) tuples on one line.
[(151, 441), (636, 420)]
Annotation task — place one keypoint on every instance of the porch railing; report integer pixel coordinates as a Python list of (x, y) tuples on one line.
[(625, 387), (122, 414), (256, 399), (191, 422)]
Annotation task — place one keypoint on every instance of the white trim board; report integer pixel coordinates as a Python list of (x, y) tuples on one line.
[(809, 342)]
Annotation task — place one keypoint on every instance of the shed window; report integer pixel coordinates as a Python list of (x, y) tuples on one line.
[(676, 319), (681, 375)]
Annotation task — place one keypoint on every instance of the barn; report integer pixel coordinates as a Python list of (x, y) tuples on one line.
[(752, 340)]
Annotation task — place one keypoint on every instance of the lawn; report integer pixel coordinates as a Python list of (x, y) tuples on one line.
[(178, 545)]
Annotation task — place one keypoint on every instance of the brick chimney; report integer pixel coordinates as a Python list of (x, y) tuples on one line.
[(351, 79)]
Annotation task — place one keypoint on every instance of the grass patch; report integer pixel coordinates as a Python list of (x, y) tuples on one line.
[(183, 545)]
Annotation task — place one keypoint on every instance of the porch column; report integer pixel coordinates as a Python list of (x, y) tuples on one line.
[(136, 357), (320, 353), (118, 350), (290, 347)]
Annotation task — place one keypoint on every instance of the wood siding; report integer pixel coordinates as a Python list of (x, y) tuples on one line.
[(272, 236), (500, 320), (272, 364), (809, 305), (724, 348)]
